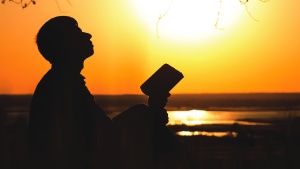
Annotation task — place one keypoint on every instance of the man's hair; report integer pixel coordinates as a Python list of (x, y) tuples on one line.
[(52, 36)]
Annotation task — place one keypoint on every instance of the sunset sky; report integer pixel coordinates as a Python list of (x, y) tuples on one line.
[(257, 51)]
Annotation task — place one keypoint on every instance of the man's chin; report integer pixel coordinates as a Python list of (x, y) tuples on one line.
[(90, 54)]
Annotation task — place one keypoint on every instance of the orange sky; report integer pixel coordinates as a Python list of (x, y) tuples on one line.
[(246, 56)]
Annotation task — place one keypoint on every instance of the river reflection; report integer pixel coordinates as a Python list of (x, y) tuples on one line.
[(199, 117), (202, 117), (205, 133)]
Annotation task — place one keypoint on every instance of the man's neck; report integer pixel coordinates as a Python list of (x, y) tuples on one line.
[(70, 68)]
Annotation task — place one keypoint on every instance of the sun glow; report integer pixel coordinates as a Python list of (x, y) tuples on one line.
[(209, 134), (192, 117), (188, 20)]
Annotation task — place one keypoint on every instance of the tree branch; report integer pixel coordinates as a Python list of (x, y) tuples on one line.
[(21, 2), (161, 16)]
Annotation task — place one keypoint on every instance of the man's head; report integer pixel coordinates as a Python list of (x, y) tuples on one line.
[(60, 40)]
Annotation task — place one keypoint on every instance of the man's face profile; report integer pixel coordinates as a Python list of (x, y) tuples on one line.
[(60, 40), (78, 43)]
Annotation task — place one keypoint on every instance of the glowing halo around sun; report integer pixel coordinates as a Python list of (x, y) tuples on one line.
[(188, 20)]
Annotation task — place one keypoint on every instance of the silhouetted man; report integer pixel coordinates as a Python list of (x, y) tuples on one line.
[(68, 130)]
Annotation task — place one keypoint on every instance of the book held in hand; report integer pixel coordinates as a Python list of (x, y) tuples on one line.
[(162, 81)]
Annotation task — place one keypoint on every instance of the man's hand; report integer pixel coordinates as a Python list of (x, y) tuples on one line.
[(156, 106), (158, 101), (161, 117)]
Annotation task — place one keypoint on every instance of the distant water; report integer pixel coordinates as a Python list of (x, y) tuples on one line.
[(203, 117), (198, 117)]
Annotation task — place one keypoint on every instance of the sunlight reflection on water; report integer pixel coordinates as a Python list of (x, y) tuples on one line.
[(199, 117), (204, 133), (203, 117)]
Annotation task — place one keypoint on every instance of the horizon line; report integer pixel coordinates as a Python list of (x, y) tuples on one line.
[(4, 94)]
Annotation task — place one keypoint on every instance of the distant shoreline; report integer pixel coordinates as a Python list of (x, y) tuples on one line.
[(218, 102)]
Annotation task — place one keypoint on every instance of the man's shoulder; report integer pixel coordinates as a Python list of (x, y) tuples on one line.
[(48, 78), (48, 84)]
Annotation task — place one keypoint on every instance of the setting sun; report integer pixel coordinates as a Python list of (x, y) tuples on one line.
[(188, 20)]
